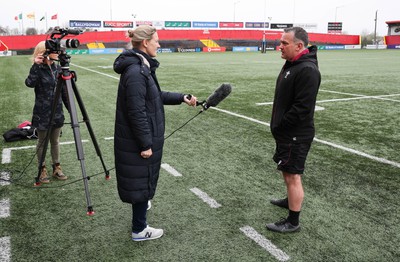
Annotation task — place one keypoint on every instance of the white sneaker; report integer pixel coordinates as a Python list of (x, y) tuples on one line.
[(148, 205), (148, 233)]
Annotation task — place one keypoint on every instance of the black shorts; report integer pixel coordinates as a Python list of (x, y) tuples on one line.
[(291, 158)]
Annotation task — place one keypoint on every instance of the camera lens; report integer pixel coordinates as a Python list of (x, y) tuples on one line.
[(69, 43)]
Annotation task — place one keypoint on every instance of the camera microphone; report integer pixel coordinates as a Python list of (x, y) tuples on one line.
[(72, 31), (215, 98)]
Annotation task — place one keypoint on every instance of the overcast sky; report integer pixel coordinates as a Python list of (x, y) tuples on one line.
[(358, 16)]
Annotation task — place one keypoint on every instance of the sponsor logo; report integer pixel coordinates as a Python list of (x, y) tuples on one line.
[(187, 50), (214, 49), (118, 24)]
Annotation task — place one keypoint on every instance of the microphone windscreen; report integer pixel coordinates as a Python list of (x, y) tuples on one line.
[(220, 94)]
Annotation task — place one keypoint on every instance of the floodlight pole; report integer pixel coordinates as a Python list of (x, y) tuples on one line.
[(234, 10), (376, 20), (134, 20), (336, 11), (264, 44), (110, 10), (294, 10)]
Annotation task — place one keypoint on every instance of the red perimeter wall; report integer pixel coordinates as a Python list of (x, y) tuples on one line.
[(392, 40), (29, 42)]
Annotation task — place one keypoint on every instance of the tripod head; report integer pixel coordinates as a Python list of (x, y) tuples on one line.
[(64, 60)]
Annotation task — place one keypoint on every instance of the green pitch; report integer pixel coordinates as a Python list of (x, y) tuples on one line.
[(351, 183)]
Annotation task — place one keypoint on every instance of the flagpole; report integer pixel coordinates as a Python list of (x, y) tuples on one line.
[(22, 22), (19, 24)]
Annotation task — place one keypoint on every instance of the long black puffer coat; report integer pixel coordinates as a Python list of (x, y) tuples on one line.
[(139, 125)]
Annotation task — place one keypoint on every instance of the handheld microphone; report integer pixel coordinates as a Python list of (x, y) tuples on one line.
[(215, 98)]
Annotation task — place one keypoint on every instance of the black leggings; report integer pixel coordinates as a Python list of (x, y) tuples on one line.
[(139, 211)]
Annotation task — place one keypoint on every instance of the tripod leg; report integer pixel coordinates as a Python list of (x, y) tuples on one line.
[(77, 136), (56, 97), (89, 126)]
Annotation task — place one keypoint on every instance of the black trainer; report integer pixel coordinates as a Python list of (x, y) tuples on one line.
[(284, 203), (283, 226)]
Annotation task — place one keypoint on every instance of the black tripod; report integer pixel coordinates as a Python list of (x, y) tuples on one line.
[(66, 79)]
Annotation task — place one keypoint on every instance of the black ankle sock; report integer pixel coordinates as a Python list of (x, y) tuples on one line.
[(293, 217)]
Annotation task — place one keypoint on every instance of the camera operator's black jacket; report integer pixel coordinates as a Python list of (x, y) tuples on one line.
[(44, 79), (139, 125), (294, 102)]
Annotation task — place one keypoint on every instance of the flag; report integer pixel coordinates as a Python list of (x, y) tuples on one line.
[(53, 17), (16, 17), (41, 19), (31, 15)]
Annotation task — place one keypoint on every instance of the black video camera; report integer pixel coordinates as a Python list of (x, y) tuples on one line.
[(58, 45)]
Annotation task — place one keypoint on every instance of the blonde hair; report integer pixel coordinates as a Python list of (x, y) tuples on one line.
[(142, 32), (39, 49)]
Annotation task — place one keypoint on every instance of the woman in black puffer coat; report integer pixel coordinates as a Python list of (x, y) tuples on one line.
[(139, 126)]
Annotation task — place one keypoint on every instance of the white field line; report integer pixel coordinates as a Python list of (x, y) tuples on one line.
[(5, 243), (352, 94), (382, 97), (6, 153), (5, 249), (4, 178), (170, 169), (97, 72), (378, 159), (203, 196), (4, 208), (264, 103), (264, 243), (241, 116)]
